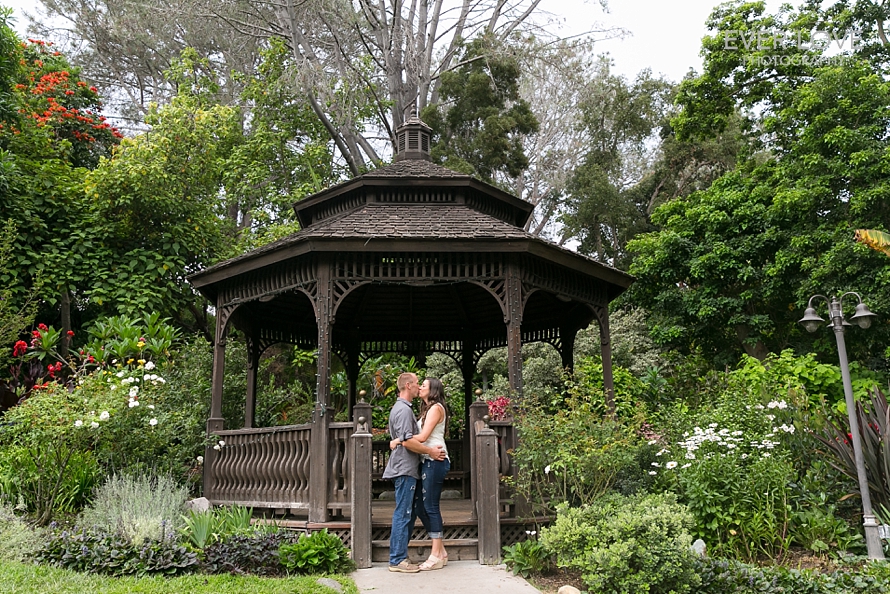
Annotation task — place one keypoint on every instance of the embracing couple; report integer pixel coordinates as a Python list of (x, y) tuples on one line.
[(418, 465)]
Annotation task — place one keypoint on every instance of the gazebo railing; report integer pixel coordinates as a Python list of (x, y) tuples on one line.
[(265, 468), (338, 460)]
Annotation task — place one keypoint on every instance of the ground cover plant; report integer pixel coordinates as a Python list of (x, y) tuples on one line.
[(20, 578)]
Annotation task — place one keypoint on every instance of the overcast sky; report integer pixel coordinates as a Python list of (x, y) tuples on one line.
[(665, 35)]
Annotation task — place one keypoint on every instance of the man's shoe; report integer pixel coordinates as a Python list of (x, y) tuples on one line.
[(405, 567)]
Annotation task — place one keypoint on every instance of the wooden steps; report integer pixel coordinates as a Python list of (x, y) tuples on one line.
[(459, 549)]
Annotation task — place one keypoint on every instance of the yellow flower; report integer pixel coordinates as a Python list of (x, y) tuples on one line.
[(141, 362), (129, 361), (140, 344)]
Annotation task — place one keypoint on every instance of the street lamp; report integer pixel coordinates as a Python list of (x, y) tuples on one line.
[(862, 317)]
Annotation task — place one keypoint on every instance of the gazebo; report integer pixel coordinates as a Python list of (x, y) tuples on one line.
[(411, 258)]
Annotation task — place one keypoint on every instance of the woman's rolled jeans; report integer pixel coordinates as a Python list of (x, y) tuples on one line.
[(429, 491)]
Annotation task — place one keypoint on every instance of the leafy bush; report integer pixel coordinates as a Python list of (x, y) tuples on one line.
[(319, 552), (626, 544), (257, 554), (23, 478), (721, 576), (102, 552), (527, 557), (137, 508), (574, 455), (18, 540)]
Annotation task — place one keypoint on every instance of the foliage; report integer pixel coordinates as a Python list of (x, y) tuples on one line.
[(113, 554), (118, 414), (573, 454), (731, 266), (724, 575), (620, 118), (873, 418), (204, 528), (14, 317), (125, 339), (735, 473), (319, 552), (527, 557), (136, 508), (160, 189), (27, 483), (37, 579), (626, 544), (18, 540), (632, 347), (256, 554), (477, 128)]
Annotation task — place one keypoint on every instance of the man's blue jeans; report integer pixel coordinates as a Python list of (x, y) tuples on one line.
[(432, 477), (402, 519)]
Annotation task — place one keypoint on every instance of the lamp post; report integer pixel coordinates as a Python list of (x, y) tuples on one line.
[(862, 317)]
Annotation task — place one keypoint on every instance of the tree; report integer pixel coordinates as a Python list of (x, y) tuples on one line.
[(126, 48), (478, 126), (619, 118), (361, 65), (45, 147), (732, 266)]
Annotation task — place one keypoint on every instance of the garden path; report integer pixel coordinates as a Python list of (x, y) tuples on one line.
[(458, 577)]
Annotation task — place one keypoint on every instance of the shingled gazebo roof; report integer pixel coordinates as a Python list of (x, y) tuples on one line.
[(411, 205)]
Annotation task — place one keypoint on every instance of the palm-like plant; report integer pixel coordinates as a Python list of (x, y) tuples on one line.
[(874, 432), (876, 240)]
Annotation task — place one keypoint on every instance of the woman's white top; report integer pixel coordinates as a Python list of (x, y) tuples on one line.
[(437, 437)]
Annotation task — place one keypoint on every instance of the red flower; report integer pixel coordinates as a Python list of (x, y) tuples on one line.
[(91, 359), (70, 333), (42, 327), (19, 348)]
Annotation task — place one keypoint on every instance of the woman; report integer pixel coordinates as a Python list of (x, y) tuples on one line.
[(431, 426)]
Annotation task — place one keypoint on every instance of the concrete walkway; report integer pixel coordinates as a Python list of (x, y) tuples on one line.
[(458, 577)]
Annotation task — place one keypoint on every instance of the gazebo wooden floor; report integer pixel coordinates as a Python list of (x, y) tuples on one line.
[(455, 512)]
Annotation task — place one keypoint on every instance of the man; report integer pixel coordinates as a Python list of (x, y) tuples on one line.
[(404, 469)]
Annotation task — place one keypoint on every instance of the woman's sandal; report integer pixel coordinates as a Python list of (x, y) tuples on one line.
[(444, 560), (432, 563)]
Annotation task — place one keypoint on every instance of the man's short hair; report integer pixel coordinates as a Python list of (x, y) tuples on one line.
[(405, 379)]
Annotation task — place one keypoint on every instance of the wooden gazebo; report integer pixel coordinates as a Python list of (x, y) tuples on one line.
[(411, 258)]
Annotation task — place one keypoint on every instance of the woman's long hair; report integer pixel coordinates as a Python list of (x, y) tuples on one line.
[(437, 396)]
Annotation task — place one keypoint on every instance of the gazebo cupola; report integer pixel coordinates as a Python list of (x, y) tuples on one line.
[(413, 140)]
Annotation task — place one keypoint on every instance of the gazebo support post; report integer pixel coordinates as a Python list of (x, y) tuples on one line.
[(567, 351), (468, 370), (352, 370), (253, 362), (215, 422), (318, 477), (513, 318), (602, 315)]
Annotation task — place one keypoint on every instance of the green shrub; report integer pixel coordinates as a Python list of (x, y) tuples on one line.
[(626, 545), (18, 540), (112, 554), (574, 455), (24, 478), (319, 552), (137, 508), (256, 554), (721, 576), (527, 557)]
